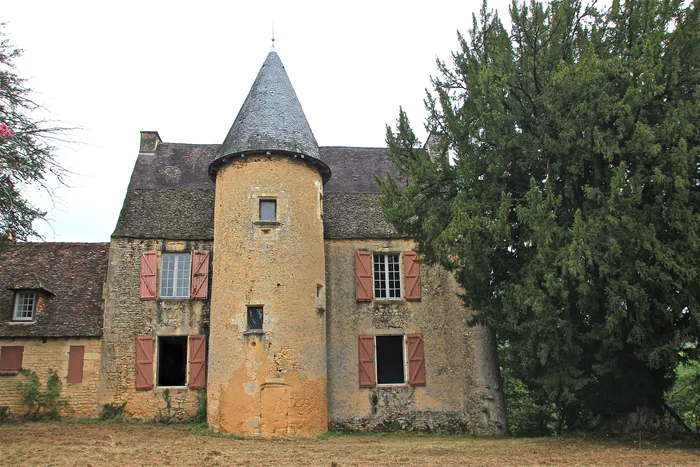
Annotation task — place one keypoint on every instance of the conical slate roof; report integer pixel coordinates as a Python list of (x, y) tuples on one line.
[(271, 120)]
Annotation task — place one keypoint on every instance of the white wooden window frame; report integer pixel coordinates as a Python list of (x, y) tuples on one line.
[(384, 268), (179, 283), (25, 305), (404, 343)]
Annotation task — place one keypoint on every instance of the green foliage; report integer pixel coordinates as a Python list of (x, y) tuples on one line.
[(563, 190), (200, 416), (26, 154), (5, 414), (165, 417), (684, 397), (42, 404), (113, 411)]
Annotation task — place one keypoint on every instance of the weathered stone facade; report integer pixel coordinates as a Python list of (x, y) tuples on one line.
[(128, 317), (458, 396), (273, 310), (52, 353), (269, 382)]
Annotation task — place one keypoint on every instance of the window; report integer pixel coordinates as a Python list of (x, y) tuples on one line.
[(11, 358), (175, 275), (390, 360), (172, 360), (268, 210), (255, 318), (25, 305), (387, 276)]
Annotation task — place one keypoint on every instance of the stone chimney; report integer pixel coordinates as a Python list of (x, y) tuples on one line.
[(149, 142)]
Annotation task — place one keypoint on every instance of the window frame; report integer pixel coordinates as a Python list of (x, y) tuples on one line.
[(248, 309), (35, 298), (387, 280), (156, 362), (404, 350), (176, 270), (266, 199)]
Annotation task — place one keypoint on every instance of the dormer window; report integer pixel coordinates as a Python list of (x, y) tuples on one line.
[(25, 305)]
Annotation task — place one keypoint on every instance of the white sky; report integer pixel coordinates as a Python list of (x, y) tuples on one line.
[(184, 68)]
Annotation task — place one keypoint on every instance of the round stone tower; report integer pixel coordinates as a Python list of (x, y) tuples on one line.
[(267, 340)]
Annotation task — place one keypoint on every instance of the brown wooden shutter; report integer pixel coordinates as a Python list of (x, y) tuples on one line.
[(363, 276), (75, 363), (144, 363), (416, 360), (411, 274), (365, 348), (198, 358), (148, 275), (200, 274), (11, 357)]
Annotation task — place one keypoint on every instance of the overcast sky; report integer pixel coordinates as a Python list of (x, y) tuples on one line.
[(184, 69)]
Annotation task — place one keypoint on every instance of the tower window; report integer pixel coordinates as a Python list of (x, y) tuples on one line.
[(172, 360), (255, 318), (268, 209)]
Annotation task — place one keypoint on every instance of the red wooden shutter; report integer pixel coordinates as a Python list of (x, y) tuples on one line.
[(365, 348), (363, 276), (75, 363), (200, 274), (144, 363), (11, 357), (148, 275), (198, 358), (411, 274), (416, 360)]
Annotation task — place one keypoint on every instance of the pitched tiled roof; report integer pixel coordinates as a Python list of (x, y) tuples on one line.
[(170, 195), (271, 119), (74, 272)]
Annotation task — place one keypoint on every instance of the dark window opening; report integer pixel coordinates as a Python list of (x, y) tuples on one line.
[(268, 209), (390, 361), (255, 318), (172, 360)]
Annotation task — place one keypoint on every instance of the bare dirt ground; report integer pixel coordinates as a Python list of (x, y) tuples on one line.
[(84, 444)]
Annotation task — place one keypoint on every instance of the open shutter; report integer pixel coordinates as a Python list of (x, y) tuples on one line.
[(363, 276), (198, 358), (200, 274), (416, 360), (148, 275), (411, 274), (144, 363), (75, 363), (365, 348), (11, 357)]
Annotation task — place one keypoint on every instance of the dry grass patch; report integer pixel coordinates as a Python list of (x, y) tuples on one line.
[(63, 444)]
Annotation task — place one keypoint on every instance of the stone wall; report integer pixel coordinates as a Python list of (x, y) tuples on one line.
[(127, 317), (40, 355), (273, 382), (462, 391)]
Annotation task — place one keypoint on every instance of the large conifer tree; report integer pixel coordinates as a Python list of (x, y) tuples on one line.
[(563, 189)]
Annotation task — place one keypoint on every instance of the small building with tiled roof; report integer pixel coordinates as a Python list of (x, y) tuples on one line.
[(51, 304), (260, 275)]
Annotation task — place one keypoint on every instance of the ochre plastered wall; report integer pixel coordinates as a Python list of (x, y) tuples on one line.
[(40, 355), (274, 383), (462, 390), (127, 316)]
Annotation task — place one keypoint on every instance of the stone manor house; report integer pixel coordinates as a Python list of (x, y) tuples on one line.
[(260, 273)]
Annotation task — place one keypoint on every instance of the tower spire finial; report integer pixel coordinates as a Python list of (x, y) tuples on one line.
[(273, 37)]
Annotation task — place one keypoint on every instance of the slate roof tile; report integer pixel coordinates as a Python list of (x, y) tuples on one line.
[(74, 272)]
